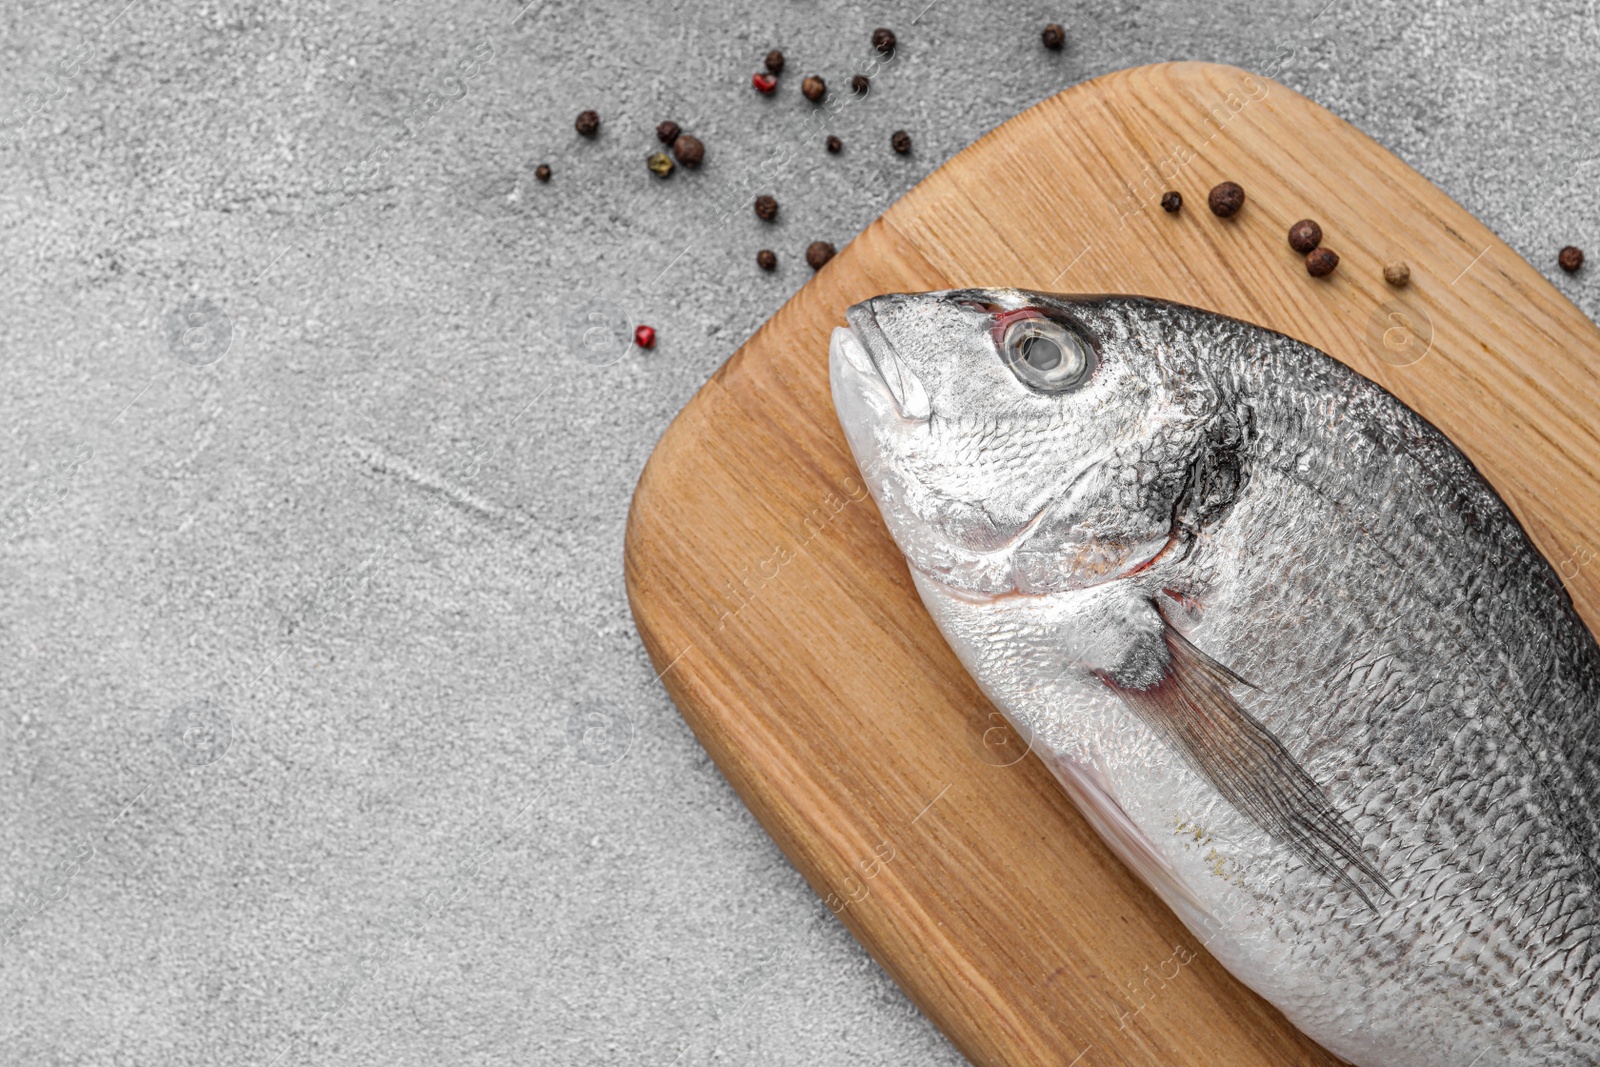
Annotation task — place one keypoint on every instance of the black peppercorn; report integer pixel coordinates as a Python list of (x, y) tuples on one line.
[(1320, 262), (883, 40), (900, 142), (813, 88), (1054, 36), (834, 145), (588, 123), (542, 172), (668, 132), (818, 253), (767, 259), (689, 150), (860, 84), (1226, 199), (1305, 235), (1571, 259), (766, 208), (774, 62), (1171, 201)]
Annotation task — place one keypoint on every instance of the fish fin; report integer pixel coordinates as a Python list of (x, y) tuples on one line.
[(1192, 710), (1089, 792)]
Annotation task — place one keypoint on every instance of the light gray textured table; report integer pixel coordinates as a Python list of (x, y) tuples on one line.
[(326, 734)]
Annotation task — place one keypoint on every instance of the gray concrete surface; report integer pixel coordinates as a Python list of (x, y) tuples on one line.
[(326, 734)]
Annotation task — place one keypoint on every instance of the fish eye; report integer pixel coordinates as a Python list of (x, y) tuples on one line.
[(1047, 356)]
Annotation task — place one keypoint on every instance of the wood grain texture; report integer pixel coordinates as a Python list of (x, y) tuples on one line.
[(788, 632)]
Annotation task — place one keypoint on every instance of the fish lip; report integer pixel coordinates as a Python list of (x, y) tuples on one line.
[(907, 390), (864, 324)]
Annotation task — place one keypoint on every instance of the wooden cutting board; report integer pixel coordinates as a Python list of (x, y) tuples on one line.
[(787, 630)]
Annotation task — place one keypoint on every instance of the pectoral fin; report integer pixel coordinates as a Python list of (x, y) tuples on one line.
[(1189, 704)]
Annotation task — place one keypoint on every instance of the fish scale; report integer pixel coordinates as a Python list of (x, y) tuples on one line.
[(1278, 613)]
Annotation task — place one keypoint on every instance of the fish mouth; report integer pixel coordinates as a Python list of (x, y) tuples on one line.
[(867, 348)]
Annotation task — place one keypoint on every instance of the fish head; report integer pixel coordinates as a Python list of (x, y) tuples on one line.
[(1026, 442)]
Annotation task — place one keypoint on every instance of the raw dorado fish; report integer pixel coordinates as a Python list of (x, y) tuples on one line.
[(1279, 640)]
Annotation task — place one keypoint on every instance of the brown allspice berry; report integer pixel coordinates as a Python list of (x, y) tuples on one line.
[(689, 150), (1571, 259), (1054, 36), (660, 164), (835, 146), (766, 208), (818, 253), (767, 259), (859, 84), (588, 123), (542, 172), (1397, 274), (1321, 262), (1304, 236), (774, 62), (667, 132), (1171, 201), (883, 40), (1226, 199), (900, 142), (813, 88)]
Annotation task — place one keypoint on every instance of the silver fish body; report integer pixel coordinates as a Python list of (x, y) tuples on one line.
[(1287, 650)]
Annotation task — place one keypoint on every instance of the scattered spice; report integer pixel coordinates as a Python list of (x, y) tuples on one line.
[(1571, 259), (1305, 235), (668, 131), (1397, 274), (689, 150), (774, 62), (860, 84), (818, 253), (1226, 199), (1320, 262), (834, 145), (765, 83), (883, 40), (542, 172), (900, 141), (767, 259), (588, 123), (645, 336), (766, 208), (1171, 201), (1054, 36), (660, 165), (813, 88)]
